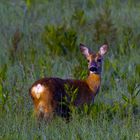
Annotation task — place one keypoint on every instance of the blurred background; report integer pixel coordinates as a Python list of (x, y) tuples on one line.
[(40, 38)]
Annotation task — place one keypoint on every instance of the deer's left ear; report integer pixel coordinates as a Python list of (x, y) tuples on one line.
[(103, 50), (85, 51)]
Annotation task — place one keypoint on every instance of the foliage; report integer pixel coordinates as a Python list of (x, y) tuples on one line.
[(104, 27), (78, 18), (60, 39)]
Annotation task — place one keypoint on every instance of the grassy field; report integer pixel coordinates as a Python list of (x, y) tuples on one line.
[(41, 38)]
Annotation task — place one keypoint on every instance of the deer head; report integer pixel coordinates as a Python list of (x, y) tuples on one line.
[(94, 59)]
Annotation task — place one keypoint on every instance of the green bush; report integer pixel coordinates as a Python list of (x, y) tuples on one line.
[(60, 39)]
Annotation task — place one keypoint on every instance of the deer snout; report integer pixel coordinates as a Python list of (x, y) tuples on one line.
[(93, 69)]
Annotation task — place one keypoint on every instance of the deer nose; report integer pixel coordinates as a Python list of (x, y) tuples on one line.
[(93, 69)]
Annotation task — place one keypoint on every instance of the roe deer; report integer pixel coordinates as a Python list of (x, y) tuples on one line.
[(49, 93)]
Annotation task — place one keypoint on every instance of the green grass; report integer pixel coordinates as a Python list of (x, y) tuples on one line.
[(44, 49), (79, 128)]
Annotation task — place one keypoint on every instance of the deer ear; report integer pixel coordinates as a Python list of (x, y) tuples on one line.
[(103, 50), (84, 50)]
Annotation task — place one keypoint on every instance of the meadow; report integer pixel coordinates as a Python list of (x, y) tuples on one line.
[(41, 39)]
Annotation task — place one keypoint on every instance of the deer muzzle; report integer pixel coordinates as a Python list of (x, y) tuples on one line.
[(93, 69)]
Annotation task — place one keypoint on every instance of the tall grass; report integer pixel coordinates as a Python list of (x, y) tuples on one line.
[(35, 42)]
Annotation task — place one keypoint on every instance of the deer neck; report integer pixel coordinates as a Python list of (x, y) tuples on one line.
[(94, 81)]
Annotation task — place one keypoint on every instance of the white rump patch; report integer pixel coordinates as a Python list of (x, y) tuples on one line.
[(38, 89)]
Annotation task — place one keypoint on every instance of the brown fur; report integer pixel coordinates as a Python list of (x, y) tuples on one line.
[(54, 92)]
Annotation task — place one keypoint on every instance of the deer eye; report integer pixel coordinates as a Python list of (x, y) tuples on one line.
[(99, 60), (88, 61)]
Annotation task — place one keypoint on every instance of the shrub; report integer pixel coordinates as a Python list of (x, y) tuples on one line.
[(60, 39), (104, 29)]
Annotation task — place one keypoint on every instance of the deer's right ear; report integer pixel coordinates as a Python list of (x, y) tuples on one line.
[(103, 50), (84, 50)]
